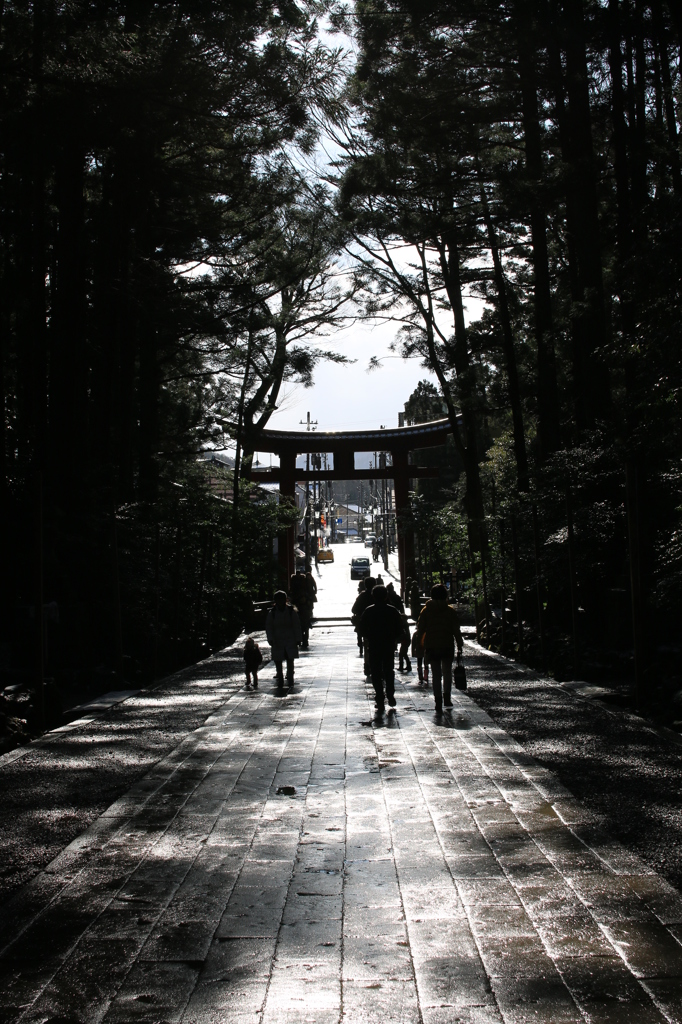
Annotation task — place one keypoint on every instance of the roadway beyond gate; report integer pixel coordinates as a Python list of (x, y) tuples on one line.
[(293, 859)]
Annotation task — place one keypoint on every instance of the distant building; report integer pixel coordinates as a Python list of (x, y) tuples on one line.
[(218, 467), (352, 520)]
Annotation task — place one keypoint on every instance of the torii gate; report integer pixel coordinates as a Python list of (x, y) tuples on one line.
[(399, 441)]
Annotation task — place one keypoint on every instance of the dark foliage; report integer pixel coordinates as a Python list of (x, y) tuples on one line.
[(527, 152), (146, 184)]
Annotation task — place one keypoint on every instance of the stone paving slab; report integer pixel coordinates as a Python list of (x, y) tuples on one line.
[(295, 859)]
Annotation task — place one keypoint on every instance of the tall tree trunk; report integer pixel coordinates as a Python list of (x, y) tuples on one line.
[(68, 359), (467, 445), (150, 386), (668, 97), (38, 297), (552, 25), (508, 347), (4, 352), (236, 486), (676, 15), (639, 139), (590, 371), (124, 405), (110, 300), (623, 226), (547, 390)]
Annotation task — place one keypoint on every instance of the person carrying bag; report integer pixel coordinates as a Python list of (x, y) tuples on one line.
[(438, 628)]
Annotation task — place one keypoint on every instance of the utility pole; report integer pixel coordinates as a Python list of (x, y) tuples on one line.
[(384, 515), (309, 425)]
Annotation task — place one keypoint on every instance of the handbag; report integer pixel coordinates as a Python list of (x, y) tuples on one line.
[(460, 675)]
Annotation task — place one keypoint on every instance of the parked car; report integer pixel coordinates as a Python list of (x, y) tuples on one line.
[(369, 540), (324, 555), (359, 568)]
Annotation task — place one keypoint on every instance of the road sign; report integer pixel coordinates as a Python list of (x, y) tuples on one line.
[(339, 521)]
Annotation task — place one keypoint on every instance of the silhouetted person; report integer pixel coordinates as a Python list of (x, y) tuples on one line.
[(381, 627), (302, 598), (311, 587), (253, 659), (404, 650), (439, 626), (418, 653), (393, 597), (363, 600), (283, 630), (415, 600), (356, 624)]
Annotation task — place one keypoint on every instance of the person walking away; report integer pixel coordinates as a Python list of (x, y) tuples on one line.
[(364, 600), (381, 627), (355, 620), (415, 600), (375, 552), (404, 651), (406, 591), (253, 659), (439, 627), (422, 663), (298, 593), (393, 597), (283, 630), (311, 598), (311, 587)]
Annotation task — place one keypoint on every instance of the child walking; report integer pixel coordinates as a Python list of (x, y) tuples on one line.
[(403, 653), (253, 659), (418, 653)]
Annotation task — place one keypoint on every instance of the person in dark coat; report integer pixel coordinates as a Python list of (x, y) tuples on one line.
[(404, 650), (283, 630), (253, 659), (356, 625), (415, 600), (311, 587), (394, 598), (363, 600), (418, 653), (439, 628), (381, 627), (302, 599)]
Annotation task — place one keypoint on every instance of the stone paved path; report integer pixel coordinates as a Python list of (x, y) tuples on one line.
[(294, 860)]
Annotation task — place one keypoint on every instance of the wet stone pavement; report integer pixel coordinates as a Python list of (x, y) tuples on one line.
[(293, 859)]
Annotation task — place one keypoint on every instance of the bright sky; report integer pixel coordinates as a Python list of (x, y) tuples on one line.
[(350, 397)]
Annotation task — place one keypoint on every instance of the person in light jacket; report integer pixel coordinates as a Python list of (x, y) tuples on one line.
[(283, 630), (438, 625)]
